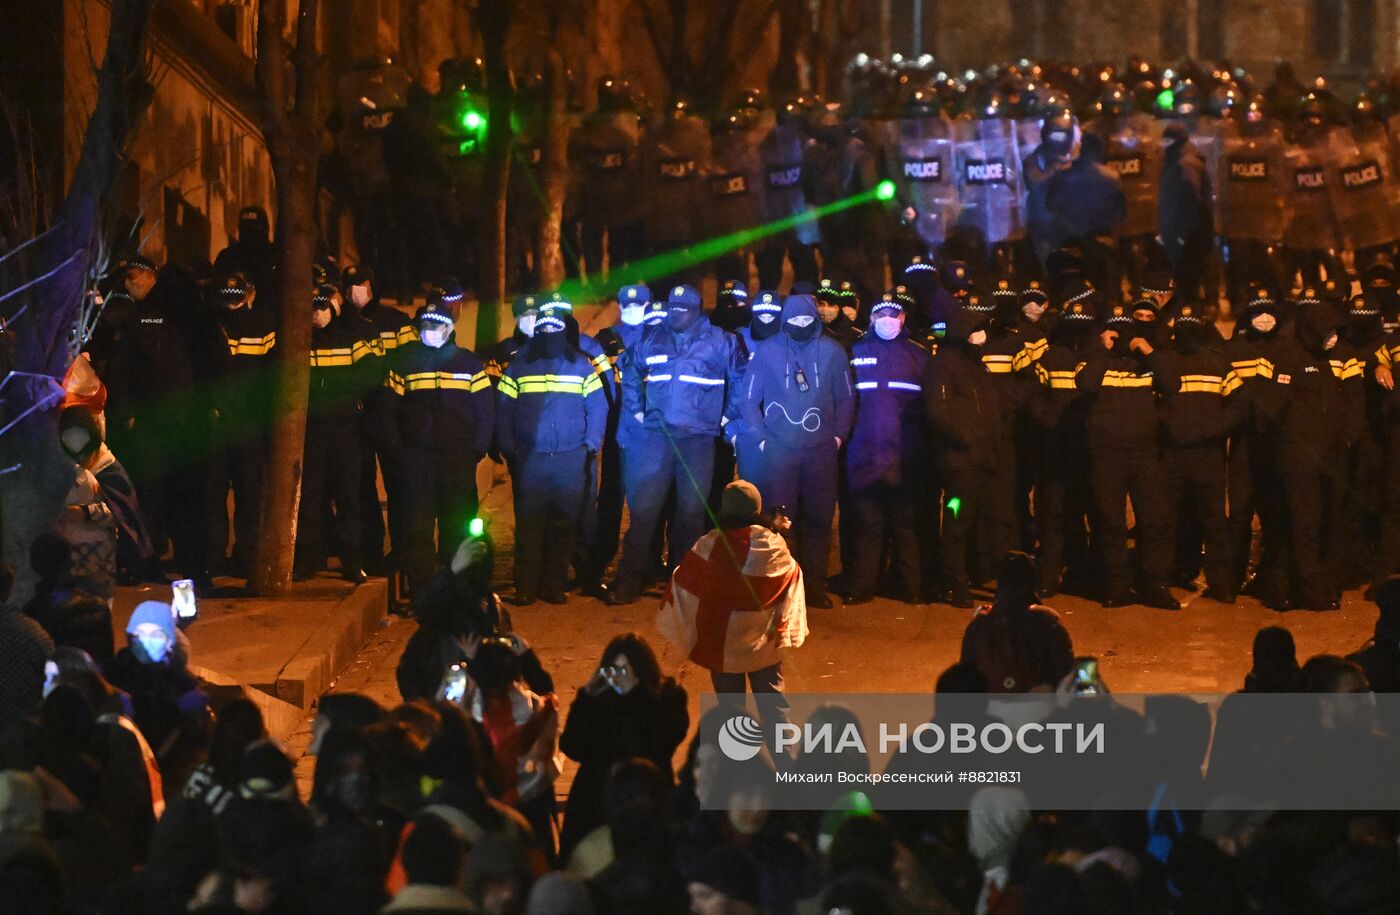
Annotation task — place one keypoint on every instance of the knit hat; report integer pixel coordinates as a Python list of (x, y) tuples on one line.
[(21, 803), (958, 276), (728, 870), (234, 288), (323, 297), (683, 298), (734, 289), (740, 499), (1117, 316), (451, 292), (1003, 292), (525, 304), (1261, 298), (155, 613), (767, 301), (1188, 314), (655, 313), (919, 264), (435, 313), (1157, 282), (1034, 292), (355, 274), (266, 772), (827, 291), (1077, 290), (902, 295), (136, 262), (557, 301)]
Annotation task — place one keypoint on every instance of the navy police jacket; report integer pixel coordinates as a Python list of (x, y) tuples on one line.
[(550, 403), (798, 394), (887, 441), (685, 382), (438, 399)]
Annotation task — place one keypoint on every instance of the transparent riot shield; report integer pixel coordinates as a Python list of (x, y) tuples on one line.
[(924, 175), (675, 163), (1311, 224), (991, 195), (1253, 187), (1134, 148), (1363, 185)]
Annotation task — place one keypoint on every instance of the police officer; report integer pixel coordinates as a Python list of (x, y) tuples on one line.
[(241, 418), (735, 185), (765, 324), (732, 312), (1013, 344), (1254, 350), (799, 403), (1087, 207), (780, 149), (342, 369), (1125, 458), (145, 357), (1059, 410), (835, 323), (1252, 195), (386, 328), (1185, 192), (436, 423), (973, 440), (526, 311), (1198, 411), (679, 383), (252, 254), (605, 149), (886, 459), (551, 416), (1365, 437), (676, 161), (1307, 405), (1058, 135)]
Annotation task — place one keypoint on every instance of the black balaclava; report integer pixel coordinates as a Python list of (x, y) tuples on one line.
[(253, 228), (1189, 334), (797, 306), (1314, 323), (766, 305), (551, 339)]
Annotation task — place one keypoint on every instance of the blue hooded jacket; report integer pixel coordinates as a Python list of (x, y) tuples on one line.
[(776, 408), (888, 440), (685, 382)]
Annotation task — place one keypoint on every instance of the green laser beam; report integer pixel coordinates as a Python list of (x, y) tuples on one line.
[(670, 262)]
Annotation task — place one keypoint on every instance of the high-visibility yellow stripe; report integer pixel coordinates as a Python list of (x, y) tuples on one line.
[(1114, 378), (508, 387), (1344, 369), (251, 346), (1058, 379), (446, 381), (406, 334), (1386, 355), (1231, 384), (1029, 355), (394, 383), (326, 358), (592, 384), (997, 364), (601, 363), (1254, 368)]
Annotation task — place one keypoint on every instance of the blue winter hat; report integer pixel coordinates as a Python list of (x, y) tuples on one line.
[(635, 294), (655, 314), (799, 305), (434, 312), (683, 298), (734, 289), (156, 613), (548, 322)]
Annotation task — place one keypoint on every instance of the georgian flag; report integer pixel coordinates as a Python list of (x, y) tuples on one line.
[(735, 599)]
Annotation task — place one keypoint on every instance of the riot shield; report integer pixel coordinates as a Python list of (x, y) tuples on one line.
[(1311, 225), (990, 192), (1253, 182), (606, 150), (735, 182), (1208, 138), (1134, 151), (676, 160), (780, 149), (1363, 186), (924, 176)]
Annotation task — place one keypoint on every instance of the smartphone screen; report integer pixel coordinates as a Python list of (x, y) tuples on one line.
[(182, 599)]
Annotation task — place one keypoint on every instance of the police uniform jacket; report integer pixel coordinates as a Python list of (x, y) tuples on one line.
[(1198, 391), (343, 369), (1310, 407), (550, 403), (246, 372), (1122, 409), (439, 399), (971, 422), (888, 439), (685, 382)]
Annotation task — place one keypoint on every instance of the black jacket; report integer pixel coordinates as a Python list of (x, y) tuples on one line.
[(437, 399), (1122, 407), (1309, 408), (970, 418), (1198, 390)]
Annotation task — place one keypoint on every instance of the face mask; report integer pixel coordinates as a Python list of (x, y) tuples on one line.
[(764, 326), (682, 320), (1145, 329), (1264, 323), (1190, 337), (632, 315), (50, 677), (888, 328), (360, 295), (526, 324), (74, 439), (1330, 342), (434, 335), (802, 327), (977, 337), (320, 317), (828, 312), (1033, 310), (155, 646)]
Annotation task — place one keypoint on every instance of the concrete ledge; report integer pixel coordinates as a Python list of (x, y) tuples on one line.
[(332, 645)]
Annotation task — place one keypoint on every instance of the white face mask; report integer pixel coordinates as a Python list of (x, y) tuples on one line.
[(801, 320), (526, 324), (977, 337), (632, 314), (1033, 310), (360, 295), (888, 328), (320, 317), (434, 335), (1263, 322)]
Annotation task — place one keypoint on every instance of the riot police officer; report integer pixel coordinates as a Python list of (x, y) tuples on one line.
[(436, 421), (1253, 189), (342, 371), (732, 312), (551, 416), (780, 149), (676, 163), (798, 402), (1125, 458), (1058, 136), (605, 151), (923, 175), (241, 419), (735, 186), (679, 383), (886, 459)]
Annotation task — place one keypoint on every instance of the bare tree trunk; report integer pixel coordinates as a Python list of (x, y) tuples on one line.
[(291, 130), (36, 473), (493, 18), (554, 176)]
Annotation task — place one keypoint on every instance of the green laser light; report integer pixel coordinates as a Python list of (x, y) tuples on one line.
[(472, 120), (476, 527), (955, 505), (884, 190), (1166, 99)]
